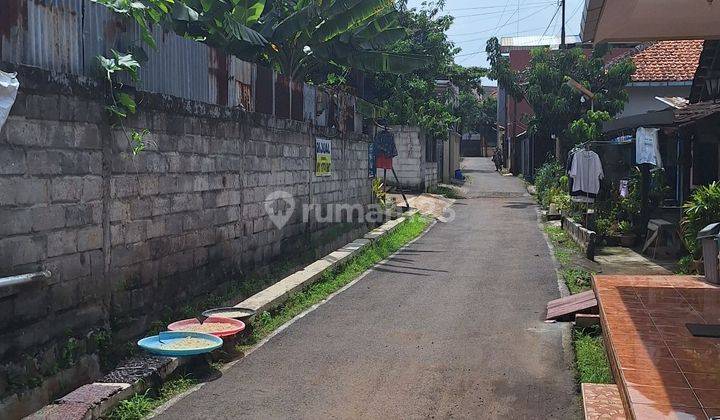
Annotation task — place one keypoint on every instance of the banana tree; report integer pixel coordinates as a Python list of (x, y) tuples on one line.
[(293, 35), (307, 33), (225, 24)]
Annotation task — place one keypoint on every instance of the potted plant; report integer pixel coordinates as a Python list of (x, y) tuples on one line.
[(627, 237)]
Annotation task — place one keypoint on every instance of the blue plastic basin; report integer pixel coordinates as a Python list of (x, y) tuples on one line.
[(153, 345)]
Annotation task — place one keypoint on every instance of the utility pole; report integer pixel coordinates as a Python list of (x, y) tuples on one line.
[(562, 31)]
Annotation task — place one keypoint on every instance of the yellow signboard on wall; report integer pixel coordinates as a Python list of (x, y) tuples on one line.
[(323, 157)]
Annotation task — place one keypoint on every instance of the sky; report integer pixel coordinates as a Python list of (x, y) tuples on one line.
[(478, 20)]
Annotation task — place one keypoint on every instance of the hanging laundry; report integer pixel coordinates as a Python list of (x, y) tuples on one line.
[(586, 172), (385, 143), (568, 167), (8, 92), (624, 188), (647, 148), (385, 149)]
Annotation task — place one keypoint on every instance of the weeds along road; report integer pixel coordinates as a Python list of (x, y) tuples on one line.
[(452, 326)]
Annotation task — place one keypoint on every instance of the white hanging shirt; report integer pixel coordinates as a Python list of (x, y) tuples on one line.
[(586, 171), (647, 148)]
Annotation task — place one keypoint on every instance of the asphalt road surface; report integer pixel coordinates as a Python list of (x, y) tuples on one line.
[(451, 327)]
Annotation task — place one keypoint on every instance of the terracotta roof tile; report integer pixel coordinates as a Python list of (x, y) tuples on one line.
[(667, 61)]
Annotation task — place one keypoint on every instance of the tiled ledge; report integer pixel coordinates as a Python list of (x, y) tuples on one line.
[(602, 402), (661, 369)]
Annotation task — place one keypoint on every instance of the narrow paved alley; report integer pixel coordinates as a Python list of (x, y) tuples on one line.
[(452, 326)]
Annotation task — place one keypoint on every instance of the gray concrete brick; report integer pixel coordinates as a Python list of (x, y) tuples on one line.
[(141, 208), (156, 228), (161, 205), (61, 242), (149, 185), (12, 161), (123, 186), (79, 214), (15, 221), (117, 234), (70, 266), (46, 218), (92, 188), (66, 189), (89, 238), (136, 231), (31, 190), (20, 250)]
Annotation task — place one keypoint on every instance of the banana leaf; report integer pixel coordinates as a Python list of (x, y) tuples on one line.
[(251, 10), (297, 22), (337, 7), (384, 62), (183, 12), (381, 39), (351, 19), (379, 24), (242, 32)]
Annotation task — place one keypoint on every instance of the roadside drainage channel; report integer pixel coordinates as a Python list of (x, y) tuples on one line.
[(138, 374)]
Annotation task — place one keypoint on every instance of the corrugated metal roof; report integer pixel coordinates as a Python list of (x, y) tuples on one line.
[(520, 42)]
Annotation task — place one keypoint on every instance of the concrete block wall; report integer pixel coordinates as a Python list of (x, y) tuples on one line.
[(430, 174), (129, 237), (410, 164)]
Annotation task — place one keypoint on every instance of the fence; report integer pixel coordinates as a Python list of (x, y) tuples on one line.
[(66, 36)]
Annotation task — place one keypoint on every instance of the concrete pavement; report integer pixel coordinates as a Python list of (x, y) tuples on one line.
[(452, 326)]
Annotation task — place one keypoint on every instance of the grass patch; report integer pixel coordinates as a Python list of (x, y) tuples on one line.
[(577, 279), (565, 250), (141, 405), (333, 280), (591, 360), (447, 192)]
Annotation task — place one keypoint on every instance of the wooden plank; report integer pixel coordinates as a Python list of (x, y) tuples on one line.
[(564, 309)]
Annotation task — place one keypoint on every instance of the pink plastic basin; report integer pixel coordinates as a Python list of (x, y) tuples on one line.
[(182, 325)]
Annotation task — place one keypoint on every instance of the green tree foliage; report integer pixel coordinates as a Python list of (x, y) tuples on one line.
[(294, 36), (588, 127), (476, 114), (700, 210), (555, 104), (304, 34), (411, 98), (501, 71)]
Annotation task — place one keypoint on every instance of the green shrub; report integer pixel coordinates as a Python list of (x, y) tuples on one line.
[(549, 178), (700, 210), (602, 226), (684, 265), (624, 226)]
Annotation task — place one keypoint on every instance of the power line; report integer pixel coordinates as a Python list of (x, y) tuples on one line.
[(577, 9), (545, 6), (495, 7), (484, 38), (468, 55), (493, 31), (501, 16), (551, 22)]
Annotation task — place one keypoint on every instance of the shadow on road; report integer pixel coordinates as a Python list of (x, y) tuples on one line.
[(518, 205)]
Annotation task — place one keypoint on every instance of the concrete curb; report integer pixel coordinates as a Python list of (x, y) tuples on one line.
[(93, 400)]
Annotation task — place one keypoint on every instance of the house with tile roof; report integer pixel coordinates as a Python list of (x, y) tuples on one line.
[(664, 69)]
